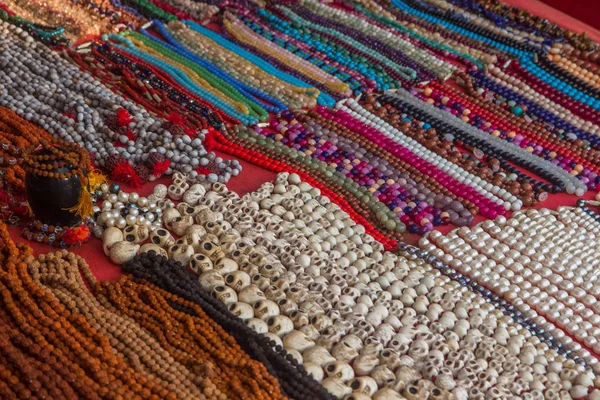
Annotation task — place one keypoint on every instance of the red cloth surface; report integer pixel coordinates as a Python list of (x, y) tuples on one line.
[(252, 176), (578, 15)]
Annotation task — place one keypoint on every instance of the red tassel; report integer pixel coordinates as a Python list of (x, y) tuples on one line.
[(130, 134), (123, 117), (209, 142), (117, 143), (191, 131), (69, 115), (76, 235), (203, 171), (123, 172), (176, 118), (20, 209), (160, 167)]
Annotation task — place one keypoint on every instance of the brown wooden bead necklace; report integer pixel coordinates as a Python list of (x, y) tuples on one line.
[(191, 338), (62, 153), (108, 347), (139, 348), (83, 355)]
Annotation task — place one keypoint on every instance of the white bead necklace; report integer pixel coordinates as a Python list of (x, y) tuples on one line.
[(545, 262)]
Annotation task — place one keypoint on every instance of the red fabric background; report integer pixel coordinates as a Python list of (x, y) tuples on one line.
[(576, 15), (252, 177)]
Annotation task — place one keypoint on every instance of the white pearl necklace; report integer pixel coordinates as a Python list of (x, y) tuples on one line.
[(544, 262)]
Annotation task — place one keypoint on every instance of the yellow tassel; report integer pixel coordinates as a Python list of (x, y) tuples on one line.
[(84, 206), (95, 179)]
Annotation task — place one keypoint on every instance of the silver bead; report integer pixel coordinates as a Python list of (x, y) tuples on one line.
[(98, 231)]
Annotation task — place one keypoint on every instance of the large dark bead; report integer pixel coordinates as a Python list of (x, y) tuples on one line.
[(50, 198)]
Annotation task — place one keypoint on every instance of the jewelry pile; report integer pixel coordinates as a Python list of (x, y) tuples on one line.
[(362, 321), (381, 118)]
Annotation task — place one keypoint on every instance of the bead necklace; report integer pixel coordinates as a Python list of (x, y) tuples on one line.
[(490, 54), (150, 10), (278, 282), (201, 77), (447, 201), (533, 108), (238, 30), (349, 52), (321, 125), (398, 65), (182, 79), (531, 275), (517, 35), (508, 122), (348, 199), (81, 354), (489, 202), (186, 9), (576, 69), (383, 44), (498, 76), (480, 116), (506, 150), (459, 25), (331, 61), (121, 209), (16, 135), (585, 46), (96, 120), (585, 112), (442, 69), (373, 209), (78, 19), (290, 95), (141, 350), (49, 35), (565, 86), (171, 276), (39, 280), (59, 236), (161, 95), (454, 48), (239, 49), (200, 342), (493, 170), (257, 96)]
